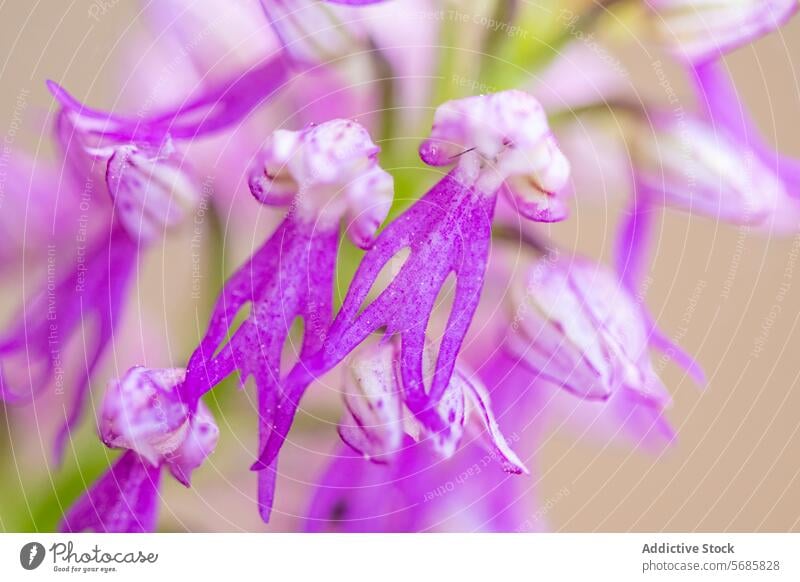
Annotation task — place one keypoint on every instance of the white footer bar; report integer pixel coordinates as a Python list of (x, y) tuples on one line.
[(401, 557)]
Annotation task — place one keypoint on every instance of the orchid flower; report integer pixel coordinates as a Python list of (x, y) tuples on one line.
[(577, 326), (714, 162), (416, 490), (580, 328), (143, 414), (498, 142), (327, 172)]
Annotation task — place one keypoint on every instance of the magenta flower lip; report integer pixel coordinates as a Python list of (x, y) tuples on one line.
[(463, 333)]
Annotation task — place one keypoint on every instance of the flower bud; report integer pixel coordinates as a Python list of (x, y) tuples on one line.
[(373, 423), (151, 191), (509, 134)]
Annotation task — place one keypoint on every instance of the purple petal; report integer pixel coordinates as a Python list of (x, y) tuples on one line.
[(196, 446), (124, 500), (480, 399), (633, 240), (448, 230), (92, 292), (356, 2), (720, 102), (291, 275), (212, 109), (355, 496), (704, 31), (420, 492)]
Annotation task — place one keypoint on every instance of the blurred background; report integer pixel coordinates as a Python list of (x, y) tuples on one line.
[(729, 295)]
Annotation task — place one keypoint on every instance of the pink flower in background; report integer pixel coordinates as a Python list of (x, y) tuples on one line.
[(578, 327), (699, 31)]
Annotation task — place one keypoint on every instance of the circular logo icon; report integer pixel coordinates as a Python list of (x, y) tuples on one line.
[(31, 555)]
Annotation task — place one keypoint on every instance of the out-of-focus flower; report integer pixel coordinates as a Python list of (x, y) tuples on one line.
[(702, 30), (150, 189), (143, 413), (292, 274), (715, 163), (703, 169), (416, 490), (313, 31), (92, 291), (578, 327), (146, 190), (722, 108)]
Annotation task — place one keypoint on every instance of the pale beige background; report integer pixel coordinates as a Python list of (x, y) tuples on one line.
[(737, 463)]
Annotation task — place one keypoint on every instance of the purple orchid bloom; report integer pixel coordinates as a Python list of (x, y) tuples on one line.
[(418, 492), (327, 172), (93, 291), (150, 189), (149, 192), (142, 413), (498, 142), (420, 444), (721, 107), (703, 168), (715, 163)]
